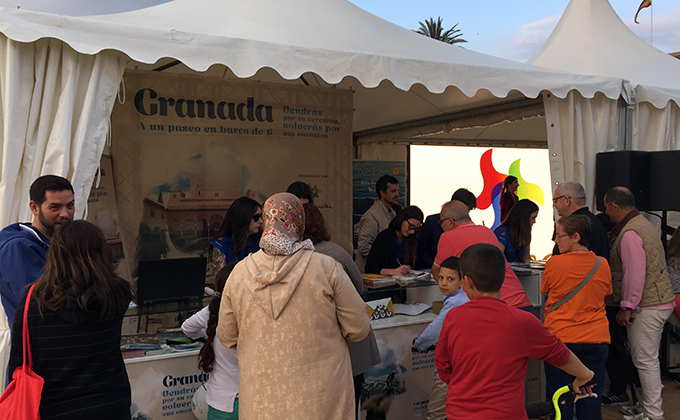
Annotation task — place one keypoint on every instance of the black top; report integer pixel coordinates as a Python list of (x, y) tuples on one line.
[(599, 243), (383, 253), (430, 232), (78, 355)]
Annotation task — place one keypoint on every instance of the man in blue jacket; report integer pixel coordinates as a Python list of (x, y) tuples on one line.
[(23, 246)]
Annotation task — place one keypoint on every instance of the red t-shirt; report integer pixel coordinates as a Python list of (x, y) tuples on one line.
[(454, 242), (482, 355)]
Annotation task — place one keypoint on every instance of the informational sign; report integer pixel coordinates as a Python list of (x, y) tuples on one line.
[(163, 386), (400, 386), (366, 173), (186, 147)]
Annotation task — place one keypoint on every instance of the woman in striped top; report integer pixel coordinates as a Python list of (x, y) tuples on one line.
[(74, 321)]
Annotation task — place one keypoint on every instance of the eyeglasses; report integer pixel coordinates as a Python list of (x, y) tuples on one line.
[(561, 235), (414, 228), (448, 218), (257, 217), (557, 198)]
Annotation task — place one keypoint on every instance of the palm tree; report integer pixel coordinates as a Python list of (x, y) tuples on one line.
[(435, 30)]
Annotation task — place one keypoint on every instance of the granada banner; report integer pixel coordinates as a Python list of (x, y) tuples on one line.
[(185, 147)]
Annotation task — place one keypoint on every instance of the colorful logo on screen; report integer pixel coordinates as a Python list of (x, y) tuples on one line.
[(493, 185)]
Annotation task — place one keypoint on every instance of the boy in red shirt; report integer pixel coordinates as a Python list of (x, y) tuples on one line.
[(484, 346)]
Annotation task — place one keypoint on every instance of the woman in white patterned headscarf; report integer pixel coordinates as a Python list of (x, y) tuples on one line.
[(289, 312)]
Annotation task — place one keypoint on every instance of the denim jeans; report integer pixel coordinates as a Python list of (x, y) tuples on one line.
[(594, 356)]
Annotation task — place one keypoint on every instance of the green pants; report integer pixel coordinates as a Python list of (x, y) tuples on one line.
[(214, 414)]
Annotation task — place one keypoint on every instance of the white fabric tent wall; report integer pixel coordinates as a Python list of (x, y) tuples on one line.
[(590, 38), (55, 105), (578, 129)]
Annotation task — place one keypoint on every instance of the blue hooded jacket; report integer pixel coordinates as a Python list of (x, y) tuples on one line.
[(23, 251)]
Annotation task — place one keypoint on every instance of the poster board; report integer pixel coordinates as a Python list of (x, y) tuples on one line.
[(365, 174), (185, 147)]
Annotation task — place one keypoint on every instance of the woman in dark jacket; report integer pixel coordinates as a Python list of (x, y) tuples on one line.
[(395, 249), (74, 321)]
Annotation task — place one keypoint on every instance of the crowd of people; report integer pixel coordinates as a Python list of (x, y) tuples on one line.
[(609, 293)]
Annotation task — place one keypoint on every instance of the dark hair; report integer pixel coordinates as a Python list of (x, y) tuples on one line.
[(466, 196), (452, 263), (206, 357), (484, 264), (381, 183), (301, 190), (508, 180), (621, 196), (315, 225), (410, 242), (577, 223), (237, 223), (518, 223), (47, 183), (80, 266), (673, 249)]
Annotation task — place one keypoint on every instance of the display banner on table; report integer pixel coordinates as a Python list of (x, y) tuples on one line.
[(185, 147), (163, 386), (400, 386), (365, 174)]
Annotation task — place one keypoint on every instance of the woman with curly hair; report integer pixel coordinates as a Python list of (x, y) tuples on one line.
[(215, 358)]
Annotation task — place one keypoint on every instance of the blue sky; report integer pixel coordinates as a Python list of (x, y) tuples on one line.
[(504, 28), (517, 29)]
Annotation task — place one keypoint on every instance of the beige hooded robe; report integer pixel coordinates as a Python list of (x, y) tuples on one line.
[(289, 317)]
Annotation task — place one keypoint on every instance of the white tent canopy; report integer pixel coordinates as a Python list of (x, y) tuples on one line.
[(398, 76), (590, 38), (60, 76)]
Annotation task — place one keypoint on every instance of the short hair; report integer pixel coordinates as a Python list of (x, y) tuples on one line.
[(466, 196), (457, 210), (621, 196), (315, 225), (301, 190), (577, 223), (48, 183), (484, 264), (452, 263), (381, 183), (573, 190)]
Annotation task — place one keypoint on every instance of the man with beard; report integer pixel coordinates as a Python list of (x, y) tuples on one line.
[(23, 246)]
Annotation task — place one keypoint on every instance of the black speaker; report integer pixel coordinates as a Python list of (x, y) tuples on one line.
[(625, 168), (664, 180)]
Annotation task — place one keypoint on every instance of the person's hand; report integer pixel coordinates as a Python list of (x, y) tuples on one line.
[(584, 385), (623, 317), (403, 270)]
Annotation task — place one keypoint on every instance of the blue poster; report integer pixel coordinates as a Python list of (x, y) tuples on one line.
[(366, 173)]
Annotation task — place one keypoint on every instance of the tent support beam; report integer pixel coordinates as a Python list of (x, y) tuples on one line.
[(525, 103)]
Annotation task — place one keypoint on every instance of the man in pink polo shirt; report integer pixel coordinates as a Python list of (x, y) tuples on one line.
[(459, 233), (642, 290)]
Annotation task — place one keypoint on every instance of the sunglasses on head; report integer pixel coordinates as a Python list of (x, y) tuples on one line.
[(257, 217)]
